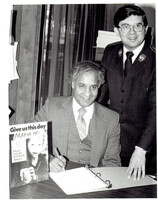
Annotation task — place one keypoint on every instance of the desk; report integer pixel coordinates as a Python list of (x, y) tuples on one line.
[(49, 190)]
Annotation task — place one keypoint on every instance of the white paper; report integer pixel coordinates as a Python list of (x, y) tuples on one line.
[(82, 180), (106, 37), (119, 178), (79, 180)]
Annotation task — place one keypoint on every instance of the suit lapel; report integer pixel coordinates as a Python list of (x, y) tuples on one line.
[(137, 68), (119, 62), (139, 64), (98, 127), (65, 119)]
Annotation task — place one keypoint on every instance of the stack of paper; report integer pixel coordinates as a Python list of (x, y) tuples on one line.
[(106, 37)]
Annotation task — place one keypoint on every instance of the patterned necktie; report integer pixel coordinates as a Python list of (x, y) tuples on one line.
[(81, 124), (128, 62)]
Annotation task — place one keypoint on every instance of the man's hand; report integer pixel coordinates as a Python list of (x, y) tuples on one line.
[(136, 167), (57, 164)]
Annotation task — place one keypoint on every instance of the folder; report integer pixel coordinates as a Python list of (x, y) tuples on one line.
[(84, 179)]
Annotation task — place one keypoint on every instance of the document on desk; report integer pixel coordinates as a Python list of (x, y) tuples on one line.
[(119, 179), (84, 180)]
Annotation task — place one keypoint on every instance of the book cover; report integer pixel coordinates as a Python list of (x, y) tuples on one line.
[(28, 153)]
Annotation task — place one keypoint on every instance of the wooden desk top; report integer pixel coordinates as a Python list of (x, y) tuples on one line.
[(49, 190)]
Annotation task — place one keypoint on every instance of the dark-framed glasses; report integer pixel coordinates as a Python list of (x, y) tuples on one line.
[(125, 28)]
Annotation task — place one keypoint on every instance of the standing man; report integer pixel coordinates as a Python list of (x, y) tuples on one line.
[(131, 85), (82, 130)]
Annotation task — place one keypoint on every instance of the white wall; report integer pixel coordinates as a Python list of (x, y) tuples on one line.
[(150, 10)]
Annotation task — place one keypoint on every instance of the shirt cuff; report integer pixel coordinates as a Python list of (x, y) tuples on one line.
[(136, 147)]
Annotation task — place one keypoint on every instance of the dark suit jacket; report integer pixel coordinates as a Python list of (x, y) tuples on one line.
[(105, 148), (133, 97)]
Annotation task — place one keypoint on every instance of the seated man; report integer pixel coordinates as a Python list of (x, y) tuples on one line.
[(83, 130)]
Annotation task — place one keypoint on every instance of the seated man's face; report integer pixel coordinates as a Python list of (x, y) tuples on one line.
[(85, 88)]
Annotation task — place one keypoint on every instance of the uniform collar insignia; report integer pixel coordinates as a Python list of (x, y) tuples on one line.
[(120, 53), (142, 57)]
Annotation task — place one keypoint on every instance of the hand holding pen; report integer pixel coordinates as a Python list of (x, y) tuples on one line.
[(58, 163)]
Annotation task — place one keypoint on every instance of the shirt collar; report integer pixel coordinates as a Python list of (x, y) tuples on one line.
[(76, 107), (136, 51)]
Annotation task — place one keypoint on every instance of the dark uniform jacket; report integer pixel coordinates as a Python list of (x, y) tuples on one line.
[(133, 97)]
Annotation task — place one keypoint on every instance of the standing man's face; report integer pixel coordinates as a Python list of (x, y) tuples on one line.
[(131, 39), (85, 88)]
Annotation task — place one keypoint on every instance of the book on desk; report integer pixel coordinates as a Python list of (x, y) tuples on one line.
[(84, 179), (28, 153)]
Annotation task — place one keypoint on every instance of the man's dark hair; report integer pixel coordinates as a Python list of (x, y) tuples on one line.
[(128, 10)]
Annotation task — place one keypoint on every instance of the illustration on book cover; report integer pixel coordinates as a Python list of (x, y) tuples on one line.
[(28, 153)]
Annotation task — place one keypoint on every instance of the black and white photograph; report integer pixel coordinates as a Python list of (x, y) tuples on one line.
[(81, 108)]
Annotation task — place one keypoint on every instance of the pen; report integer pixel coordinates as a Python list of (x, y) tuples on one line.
[(57, 153)]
